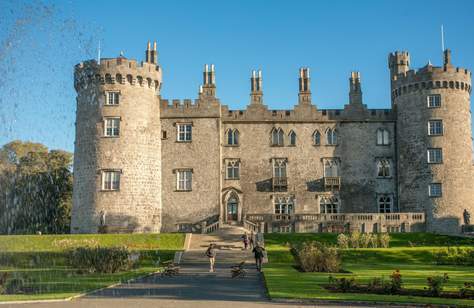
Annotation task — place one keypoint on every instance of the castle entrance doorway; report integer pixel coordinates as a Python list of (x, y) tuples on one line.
[(232, 207)]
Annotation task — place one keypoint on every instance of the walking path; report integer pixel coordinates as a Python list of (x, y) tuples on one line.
[(194, 287)]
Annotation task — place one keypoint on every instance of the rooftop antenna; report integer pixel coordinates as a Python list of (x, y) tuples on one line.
[(98, 54), (442, 38)]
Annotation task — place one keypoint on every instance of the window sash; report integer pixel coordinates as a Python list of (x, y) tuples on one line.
[(233, 171), (284, 206), (184, 132), (184, 180), (435, 128), (385, 204), (383, 169), (111, 180), (279, 169), (434, 101), (435, 190), (292, 138), (435, 156), (317, 138), (112, 127), (112, 98)]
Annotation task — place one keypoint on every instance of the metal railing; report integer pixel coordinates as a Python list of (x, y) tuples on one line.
[(332, 182)]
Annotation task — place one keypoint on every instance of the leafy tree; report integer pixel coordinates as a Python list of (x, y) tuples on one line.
[(35, 189)]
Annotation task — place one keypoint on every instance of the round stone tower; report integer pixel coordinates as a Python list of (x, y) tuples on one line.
[(434, 145), (117, 155)]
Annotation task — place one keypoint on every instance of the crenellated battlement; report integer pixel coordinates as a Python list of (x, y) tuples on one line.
[(190, 108), (118, 71)]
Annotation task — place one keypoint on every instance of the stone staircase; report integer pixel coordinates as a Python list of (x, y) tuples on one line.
[(228, 241)]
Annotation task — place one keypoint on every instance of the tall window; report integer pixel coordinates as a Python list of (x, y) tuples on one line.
[(383, 136), (292, 136), (383, 168), (435, 156), (112, 127), (329, 205), (112, 98), (317, 138), (184, 132), (435, 190), (184, 180), (435, 127), (331, 136), (232, 137), (434, 101), (277, 137), (331, 168), (279, 168), (284, 205), (233, 169), (385, 204), (110, 180)]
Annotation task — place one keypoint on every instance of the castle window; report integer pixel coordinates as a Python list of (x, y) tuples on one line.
[(316, 138), (383, 136), (110, 180), (435, 190), (284, 205), (383, 168), (385, 203), (233, 169), (279, 168), (435, 156), (331, 167), (331, 136), (232, 137), (112, 127), (184, 180), (435, 127), (292, 136), (164, 134), (434, 101), (329, 205), (112, 98), (277, 137), (184, 132)]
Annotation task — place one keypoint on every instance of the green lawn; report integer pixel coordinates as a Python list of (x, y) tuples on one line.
[(42, 258), (411, 253)]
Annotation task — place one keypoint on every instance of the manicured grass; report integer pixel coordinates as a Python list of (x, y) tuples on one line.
[(414, 263), (42, 259)]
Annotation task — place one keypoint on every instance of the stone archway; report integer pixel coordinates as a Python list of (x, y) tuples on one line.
[(232, 206)]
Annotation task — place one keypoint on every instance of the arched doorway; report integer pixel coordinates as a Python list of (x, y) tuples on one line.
[(232, 207)]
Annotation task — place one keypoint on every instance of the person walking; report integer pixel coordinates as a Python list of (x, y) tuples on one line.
[(211, 254), (252, 240), (245, 239), (259, 253)]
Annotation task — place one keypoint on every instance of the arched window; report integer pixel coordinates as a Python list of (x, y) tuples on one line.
[(383, 136), (331, 136), (317, 138), (292, 136), (383, 168), (277, 137), (385, 204), (233, 169), (232, 137), (331, 168), (329, 205)]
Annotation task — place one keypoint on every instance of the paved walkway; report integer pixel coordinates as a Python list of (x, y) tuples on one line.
[(193, 287)]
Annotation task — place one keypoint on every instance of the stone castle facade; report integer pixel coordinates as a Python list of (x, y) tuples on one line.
[(146, 164)]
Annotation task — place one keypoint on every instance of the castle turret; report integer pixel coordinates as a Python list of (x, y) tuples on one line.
[(355, 90), (117, 155), (256, 94), (304, 82), (434, 142)]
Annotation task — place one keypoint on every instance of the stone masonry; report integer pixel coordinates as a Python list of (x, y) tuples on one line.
[(333, 182)]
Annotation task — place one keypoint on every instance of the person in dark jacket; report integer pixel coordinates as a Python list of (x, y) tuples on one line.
[(211, 254), (245, 239), (259, 253)]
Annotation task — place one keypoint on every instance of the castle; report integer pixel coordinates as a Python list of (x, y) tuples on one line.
[(146, 164)]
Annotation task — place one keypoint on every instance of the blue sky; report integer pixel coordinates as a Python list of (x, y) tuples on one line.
[(40, 41)]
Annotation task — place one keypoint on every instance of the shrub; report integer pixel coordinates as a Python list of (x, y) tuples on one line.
[(315, 257), (395, 282), (342, 284), (373, 241), (435, 284), (100, 260), (454, 256), (354, 239), (384, 240), (375, 283), (19, 284), (3, 281), (466, 290), (364, 240), (342, 241)]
